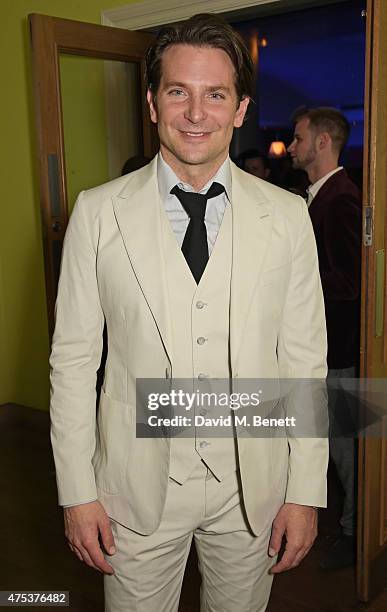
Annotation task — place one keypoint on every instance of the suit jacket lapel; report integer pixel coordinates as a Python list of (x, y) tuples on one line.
[(137, 211), (252, 224)]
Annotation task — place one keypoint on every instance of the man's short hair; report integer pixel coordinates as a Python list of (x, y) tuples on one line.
[(203, 30), (326, 119)]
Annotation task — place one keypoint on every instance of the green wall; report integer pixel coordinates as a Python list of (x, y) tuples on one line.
[(24, 345)]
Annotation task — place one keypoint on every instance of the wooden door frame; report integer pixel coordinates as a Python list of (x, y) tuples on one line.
[(372, 543), (51, 36)]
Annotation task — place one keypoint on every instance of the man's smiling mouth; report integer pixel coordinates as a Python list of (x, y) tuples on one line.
[(195, 134)]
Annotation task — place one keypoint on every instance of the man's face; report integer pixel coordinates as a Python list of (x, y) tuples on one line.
[(196, 106), (303, 150), (256, 166)]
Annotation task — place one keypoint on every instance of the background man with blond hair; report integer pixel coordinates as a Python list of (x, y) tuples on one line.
[(334, 201)]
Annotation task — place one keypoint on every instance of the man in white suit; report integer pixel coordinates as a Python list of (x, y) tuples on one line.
[(231, 292)]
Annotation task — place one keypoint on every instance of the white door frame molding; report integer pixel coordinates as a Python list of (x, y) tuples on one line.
[(153, 13)]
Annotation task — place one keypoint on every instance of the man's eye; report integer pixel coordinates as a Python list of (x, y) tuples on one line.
[(217, 96), (176, 92)]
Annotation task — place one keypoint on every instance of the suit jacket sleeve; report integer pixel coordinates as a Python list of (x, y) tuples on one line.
[(75, 358), (302, 351), (342, 246)]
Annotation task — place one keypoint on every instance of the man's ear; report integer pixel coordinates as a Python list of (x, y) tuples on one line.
[(324, 140), (152, 105), (241, 112)]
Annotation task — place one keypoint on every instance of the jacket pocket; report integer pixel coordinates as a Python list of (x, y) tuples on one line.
[(115, 430)]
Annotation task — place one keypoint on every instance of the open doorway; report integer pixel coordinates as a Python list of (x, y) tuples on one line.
[(308, 57)]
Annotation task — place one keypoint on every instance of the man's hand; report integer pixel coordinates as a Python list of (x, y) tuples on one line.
[(83, 524), (299, 525)]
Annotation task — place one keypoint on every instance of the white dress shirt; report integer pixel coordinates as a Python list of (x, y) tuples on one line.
[(314, 189), (177, 216)]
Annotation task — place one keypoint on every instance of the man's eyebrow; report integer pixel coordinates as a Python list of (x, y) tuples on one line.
[(174, 84), (219, 87)]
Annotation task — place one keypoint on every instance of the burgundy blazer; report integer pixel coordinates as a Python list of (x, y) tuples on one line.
[(336, 217)]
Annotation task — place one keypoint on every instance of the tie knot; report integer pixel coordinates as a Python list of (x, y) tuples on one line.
[(195, 204)]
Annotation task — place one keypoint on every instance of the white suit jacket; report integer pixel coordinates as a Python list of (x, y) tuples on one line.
[(113, 269)]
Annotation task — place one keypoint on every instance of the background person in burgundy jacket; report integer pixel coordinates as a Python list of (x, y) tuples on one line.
[(334, 203)]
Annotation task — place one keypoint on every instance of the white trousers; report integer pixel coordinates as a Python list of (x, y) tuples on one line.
[(233, 563)]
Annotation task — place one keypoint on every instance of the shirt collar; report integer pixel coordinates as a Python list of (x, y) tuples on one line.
[(167, 179), (314, 189)]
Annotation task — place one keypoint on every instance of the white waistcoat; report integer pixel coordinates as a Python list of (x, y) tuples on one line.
[(200, 337)]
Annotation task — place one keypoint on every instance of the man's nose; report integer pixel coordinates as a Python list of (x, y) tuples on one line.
[(195, 110), (290, 147)]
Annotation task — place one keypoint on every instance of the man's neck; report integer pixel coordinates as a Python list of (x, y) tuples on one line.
[(196, 175), (321, 169)]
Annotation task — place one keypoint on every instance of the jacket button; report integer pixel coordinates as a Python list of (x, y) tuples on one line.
[(200, 304), (201, 340)]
